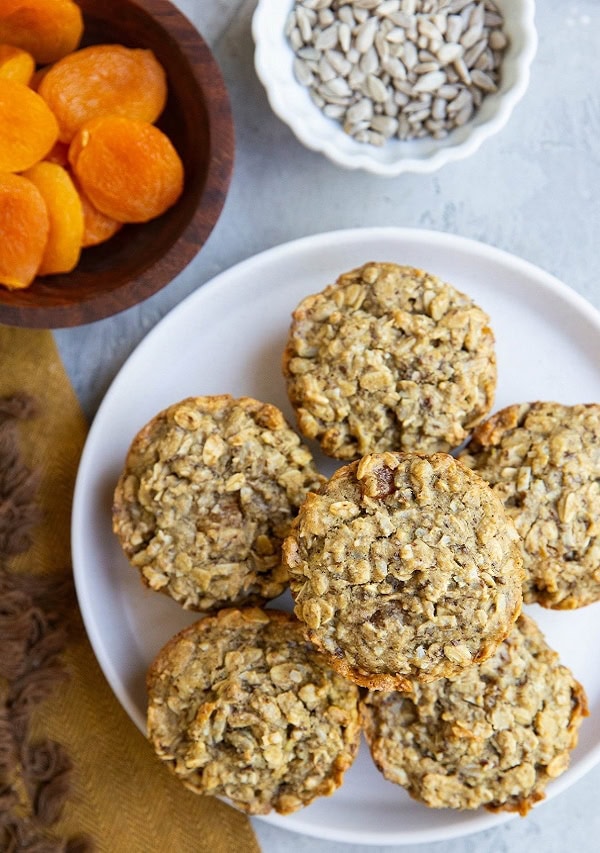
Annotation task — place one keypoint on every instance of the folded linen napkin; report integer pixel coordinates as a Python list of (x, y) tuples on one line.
[(75, 773)]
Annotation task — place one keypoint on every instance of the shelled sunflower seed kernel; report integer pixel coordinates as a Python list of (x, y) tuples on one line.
[(397, 68)]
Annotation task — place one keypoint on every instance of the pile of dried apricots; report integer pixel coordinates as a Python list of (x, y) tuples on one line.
[(80, 154)]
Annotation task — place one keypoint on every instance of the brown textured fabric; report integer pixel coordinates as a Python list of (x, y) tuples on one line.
[(119, 794)]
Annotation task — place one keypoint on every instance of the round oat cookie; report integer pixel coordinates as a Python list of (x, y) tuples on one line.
[(389, 358), (208, 492), (241, 706), (402, 567), (543, 462), (494, 736)]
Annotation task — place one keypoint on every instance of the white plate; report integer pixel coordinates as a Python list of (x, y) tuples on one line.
[(228, 337)]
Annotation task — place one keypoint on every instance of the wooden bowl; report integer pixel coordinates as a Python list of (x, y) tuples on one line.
[(141, 259)]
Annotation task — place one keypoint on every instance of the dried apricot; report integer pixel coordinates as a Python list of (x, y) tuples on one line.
[(47, 29), (28, 130), (16, 64), (24, 226), (129, 169), (97, 226), (105, 79), (65, 215)]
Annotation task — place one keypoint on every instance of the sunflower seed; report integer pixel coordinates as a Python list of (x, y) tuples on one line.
[(345, 15), (396, 36), (386, 125), (472, 55), (438, 109), (360, 111), (369, 61), (338, 87), (377, 89), (295, 39), (449, 52), (422, 68), (290, 24), (428, 28), (316, 98), (409, 55), (309, 54), (463, 72), (395, 68), (344, 36), (356, 77), (326, 72), (485, 62), (338, 62), (463, 116), (336, 111), (458, 5), (471, 36), (364, 35), (463, 98), (382, 45), (447, 92), (388, 7), (325, 17), (303, 22), (327, 39), (353, 129), (497, 40), (418, 116), (454, 28), (430, 82), (483, 80), (302, 72)]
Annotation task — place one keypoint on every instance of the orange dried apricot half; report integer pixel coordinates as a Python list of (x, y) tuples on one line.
[(47, 29), (129, 169), (16, 64), (106, 79), (65, 215), (97, 226), (28, 130), (24, 226)]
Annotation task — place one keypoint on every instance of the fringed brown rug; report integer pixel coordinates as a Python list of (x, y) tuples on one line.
[(75, 774)]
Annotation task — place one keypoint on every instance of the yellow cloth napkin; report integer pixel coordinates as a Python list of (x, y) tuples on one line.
[(122, 797)]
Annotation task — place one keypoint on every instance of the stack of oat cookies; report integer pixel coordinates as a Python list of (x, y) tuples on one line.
[(408, 568)]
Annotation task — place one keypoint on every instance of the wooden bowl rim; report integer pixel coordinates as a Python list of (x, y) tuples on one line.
[(194, 235)]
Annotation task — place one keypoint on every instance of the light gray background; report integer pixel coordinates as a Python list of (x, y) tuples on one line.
[(533, 190)]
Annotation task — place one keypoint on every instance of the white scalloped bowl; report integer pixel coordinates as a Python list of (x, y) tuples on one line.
[(290, 101)]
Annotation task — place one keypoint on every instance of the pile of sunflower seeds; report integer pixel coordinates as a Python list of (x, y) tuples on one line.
[(397, 68)]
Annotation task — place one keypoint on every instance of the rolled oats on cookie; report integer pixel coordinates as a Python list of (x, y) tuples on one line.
[(543, 462), (494, 736), (241, 706), (404, 567), (389, 358), (207, 495)]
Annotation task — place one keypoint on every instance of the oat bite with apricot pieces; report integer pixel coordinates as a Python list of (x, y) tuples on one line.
[(208, 493), (494, 736), (242, 706), (389, 358), (543, 461), (404, 567)]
